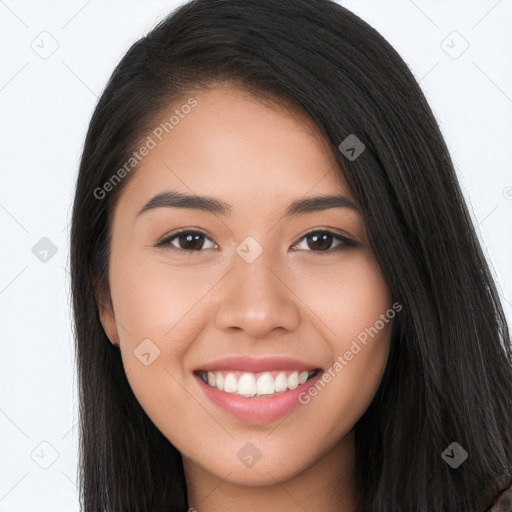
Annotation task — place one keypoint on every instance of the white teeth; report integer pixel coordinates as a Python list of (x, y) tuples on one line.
[(265, 384), (261, 384), (247, 385), (303, 377), (230, 384), (293, 380), (281, 383), (219, 381)]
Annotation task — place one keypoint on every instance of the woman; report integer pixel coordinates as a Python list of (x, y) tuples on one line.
[(269, 231)]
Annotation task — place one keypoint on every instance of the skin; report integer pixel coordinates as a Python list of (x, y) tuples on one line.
[(258, 156)]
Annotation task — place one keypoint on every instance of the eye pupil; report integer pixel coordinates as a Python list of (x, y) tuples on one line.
[(324, 238), (191, 238)]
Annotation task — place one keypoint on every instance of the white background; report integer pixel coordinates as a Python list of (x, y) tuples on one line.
[(45, 107)]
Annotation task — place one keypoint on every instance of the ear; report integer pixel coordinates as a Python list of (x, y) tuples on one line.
[(106, 313)]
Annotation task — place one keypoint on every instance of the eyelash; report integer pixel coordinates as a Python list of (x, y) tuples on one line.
[(345, 242)]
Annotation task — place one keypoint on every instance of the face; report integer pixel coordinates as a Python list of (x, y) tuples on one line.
[(246, 292)]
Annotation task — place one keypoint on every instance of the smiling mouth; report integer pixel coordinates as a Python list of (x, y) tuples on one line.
[(253, 385)]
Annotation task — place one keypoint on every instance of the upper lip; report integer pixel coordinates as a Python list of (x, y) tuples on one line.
[(257, 364)]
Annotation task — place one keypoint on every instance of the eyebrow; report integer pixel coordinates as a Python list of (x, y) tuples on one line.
[(175, 199)]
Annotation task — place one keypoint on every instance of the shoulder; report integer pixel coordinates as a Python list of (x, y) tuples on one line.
[(503, 502)]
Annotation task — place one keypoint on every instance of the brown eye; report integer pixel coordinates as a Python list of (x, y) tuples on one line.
[(319, 242), (322, 241), (188, 241), (316, 241)]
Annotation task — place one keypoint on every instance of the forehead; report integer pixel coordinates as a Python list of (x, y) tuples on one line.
[(234, 145)]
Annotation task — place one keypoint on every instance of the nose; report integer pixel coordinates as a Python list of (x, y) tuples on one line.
[(256, 298)]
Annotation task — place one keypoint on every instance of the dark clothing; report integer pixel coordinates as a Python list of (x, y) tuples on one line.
[(503, 503)]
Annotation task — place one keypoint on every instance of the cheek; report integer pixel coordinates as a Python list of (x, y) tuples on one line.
[(352, 307), (152, 298), (154, 301), (346, 297), (354, 312)]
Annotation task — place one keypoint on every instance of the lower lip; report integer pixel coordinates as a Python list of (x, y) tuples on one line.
[(259, 410)]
